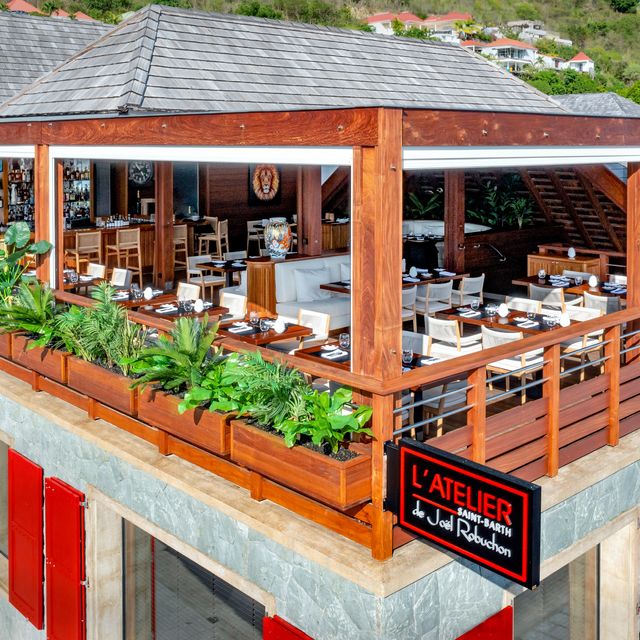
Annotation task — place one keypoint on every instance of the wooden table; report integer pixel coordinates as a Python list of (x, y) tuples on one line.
[(344, 287), (573, 289), (165, 321), (70, 286), (496, 322), (258, 338), (228, 269)]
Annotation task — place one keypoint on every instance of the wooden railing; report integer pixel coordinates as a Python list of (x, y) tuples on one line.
[(611, 262), (570, 417)]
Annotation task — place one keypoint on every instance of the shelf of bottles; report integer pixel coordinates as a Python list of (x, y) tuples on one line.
[(76, 192), (20, 191)]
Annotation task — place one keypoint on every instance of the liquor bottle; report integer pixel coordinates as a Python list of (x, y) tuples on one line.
[(138, 203)]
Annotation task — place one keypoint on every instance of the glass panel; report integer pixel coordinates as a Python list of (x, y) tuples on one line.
[(564, 606), (170, 597), (4, 511)]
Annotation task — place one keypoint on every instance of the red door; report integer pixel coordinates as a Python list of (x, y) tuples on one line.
[(64, 508), (25, 537), (278, 629)]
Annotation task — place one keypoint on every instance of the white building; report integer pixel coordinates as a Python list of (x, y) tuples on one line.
[(532, 30), (581, 62), (383, 22), (441, 27), (513, 55)]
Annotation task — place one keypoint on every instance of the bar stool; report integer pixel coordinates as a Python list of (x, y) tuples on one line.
[(220, 239), (203, 238), (255, 233), (180, 246), (88, 248), (126, 248)]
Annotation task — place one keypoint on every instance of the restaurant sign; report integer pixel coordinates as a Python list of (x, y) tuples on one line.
[(481, 514)]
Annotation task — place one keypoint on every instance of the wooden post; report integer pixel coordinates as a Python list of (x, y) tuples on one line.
[(633, 235), (612, 367), (376, 282), (58, 250), (551, 391), (41, 194), (454, 212), (477, 415), (310, 210), (163, 253)]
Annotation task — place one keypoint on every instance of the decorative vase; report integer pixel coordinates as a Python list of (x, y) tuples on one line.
[(277, 238)]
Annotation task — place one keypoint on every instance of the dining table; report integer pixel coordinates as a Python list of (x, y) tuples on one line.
[(227, 267), (571, 287), (422, 277), (252, 334), (82, 282), (163, 313)]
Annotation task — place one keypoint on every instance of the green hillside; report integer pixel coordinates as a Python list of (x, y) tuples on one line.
[(607, 30)]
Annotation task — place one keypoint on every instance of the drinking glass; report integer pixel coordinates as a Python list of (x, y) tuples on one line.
[(531, 315), (407, 356), (578, 280), (254, 318), (188, 306), (344, 340), (475, 305), (265, 325)]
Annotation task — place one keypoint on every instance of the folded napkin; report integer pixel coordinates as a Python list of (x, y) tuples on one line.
[(471, 314), (618, 291), (239, 329), (424, 271), (429, 360), (86, 278), (447, 273), (333, 355), (528, 324), (410, 279), (237, 264), (166, 309)]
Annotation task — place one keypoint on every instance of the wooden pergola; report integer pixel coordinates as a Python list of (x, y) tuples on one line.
[(381, 142)]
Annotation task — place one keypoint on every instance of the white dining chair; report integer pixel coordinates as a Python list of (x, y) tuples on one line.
[(187, 291), (235, 255), (618, 278), (204, 281), (523, 304), (409, 306), (552, 297), (589, 345), (96, 270), (576, 274), (121, 278), (317, 321), (468, 290), (433, 297), (255, 233), (236, 303), (606, 304), (446, 341)]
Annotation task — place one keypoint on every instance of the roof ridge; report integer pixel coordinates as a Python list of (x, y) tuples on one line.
[(137, 85)]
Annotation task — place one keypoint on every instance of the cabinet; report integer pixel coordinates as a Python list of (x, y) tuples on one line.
[(335, 236), (18, 191), (555, 264)]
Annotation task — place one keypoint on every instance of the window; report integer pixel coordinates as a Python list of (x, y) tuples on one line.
[(4, 512), (167, 596)]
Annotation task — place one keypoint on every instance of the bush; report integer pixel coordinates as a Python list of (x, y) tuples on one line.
[(526, 11), (258, 9), (623, 6)]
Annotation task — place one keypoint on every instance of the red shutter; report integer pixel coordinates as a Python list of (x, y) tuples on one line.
[(278, 629), (497, 627), (25, 537), (65, 561)]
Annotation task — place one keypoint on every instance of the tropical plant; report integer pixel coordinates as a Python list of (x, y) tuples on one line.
[(101, 333), (431, 208), (31, 309), (328, 420), (17, 244), (181, 361)]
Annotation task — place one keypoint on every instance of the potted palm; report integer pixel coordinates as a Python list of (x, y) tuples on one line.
[(300, 437), (29, 313), (103, 341), (180, 373)]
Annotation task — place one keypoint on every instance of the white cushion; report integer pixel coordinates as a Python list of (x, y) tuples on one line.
[(338, 307), (345, 271), (285, 281), (307, 283), (242, 287)]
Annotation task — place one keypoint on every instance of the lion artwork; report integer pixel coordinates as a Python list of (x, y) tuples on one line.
[(266, 182)]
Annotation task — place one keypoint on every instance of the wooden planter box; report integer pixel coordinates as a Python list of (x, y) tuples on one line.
[(5, 345), (103, 385), (51, 363), (339, 484), (209, 430)]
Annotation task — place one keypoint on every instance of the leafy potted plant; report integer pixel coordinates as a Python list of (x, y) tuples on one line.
[(299, 437), (185, 363), (13, 264), (103, 342), (30, 313)]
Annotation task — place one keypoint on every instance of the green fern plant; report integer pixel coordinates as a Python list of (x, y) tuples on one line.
[(181, 361), (31, 309)]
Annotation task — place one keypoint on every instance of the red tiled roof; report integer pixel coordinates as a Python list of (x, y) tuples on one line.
[(473, 43), (404, 16), (59, 13), (581, 57), (462, 17), (21, 5), (79, 15)]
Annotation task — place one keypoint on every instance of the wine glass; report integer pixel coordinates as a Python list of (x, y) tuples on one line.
[(254, 318), (265, 325), (407, 356), (344, 340), (531, 315)]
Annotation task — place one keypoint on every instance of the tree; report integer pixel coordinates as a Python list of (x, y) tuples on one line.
[(624, 6), (469, 29), (256, 8), (633, 92), (526, 11), (49, 7), (412, 31)]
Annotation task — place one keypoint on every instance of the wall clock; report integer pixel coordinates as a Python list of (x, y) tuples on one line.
[(140, 171)]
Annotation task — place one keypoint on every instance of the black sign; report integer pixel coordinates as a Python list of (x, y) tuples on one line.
[(481, 514)]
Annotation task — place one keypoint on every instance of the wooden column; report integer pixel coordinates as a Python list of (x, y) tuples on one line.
[(41, 194), (633, 235), (310, 210), (454, 210), (376, 277), (58, 250), (163, 257)]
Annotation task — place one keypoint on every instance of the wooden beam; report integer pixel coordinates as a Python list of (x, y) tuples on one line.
[(454, 214), (164, 256), (41, 195), (537, 196), (612, 367), (606, 181), (59, 230), (604, 221), (633, 235), (568, 205), (377, 252), (482, 128), (310, 210), (551, 391)]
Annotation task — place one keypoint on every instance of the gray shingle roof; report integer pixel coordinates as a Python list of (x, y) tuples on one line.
[(31, 46), (165, 59), (600, 104)]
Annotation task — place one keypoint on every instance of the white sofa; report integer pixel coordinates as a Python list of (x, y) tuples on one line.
[(287, 303), (436, 227)]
